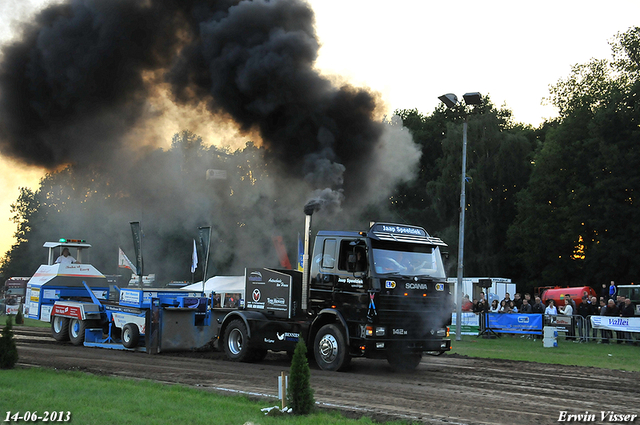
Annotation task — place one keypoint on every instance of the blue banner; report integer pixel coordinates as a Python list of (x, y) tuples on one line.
[(515, 323)]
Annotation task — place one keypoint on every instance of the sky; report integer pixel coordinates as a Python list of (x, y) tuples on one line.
[(412, 51)]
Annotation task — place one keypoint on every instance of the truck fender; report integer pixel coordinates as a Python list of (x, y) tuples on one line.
[(321, 320), (245, 316)]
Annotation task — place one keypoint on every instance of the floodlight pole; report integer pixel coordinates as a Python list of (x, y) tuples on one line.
[(461, 233), (451, 100)]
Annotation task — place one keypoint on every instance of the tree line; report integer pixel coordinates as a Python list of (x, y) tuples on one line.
[(547, 205)]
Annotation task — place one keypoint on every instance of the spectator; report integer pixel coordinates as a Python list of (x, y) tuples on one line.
[(605, 334), (507, 298), (495, 308), (551, 309), (612, 290), (526, 307), (585, 309), (596, 312), (480, 306), (627, 311), (512, 307), (538, 307), (474, 306), (612, 311), (620, 335), (466, 304), (517, 300), (503, 307), (568, 311), (604, 292)]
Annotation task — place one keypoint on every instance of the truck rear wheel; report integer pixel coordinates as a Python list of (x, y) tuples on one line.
[(236, 342), (130, 335), (330, 348), (60, 328), (76, 331)]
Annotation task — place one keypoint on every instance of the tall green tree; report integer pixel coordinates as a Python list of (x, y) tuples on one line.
[(498, 165), (577, 223), (19, 261)]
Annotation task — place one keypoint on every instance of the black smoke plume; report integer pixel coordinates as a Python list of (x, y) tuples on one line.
[(82, 76)]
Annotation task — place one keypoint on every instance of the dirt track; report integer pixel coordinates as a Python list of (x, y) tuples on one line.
[(446, 389)]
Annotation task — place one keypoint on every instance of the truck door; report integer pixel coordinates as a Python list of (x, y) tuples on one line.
[(323, 272), (352, 283)]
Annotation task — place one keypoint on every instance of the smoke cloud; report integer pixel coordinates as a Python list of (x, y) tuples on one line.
[(82, 79)]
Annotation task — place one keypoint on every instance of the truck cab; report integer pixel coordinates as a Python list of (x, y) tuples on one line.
[(385, 289)]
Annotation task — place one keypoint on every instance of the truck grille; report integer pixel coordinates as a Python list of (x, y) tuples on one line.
[(415, 316)]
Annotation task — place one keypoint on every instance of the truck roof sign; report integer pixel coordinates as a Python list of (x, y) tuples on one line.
[(399, 229), (403, 233)]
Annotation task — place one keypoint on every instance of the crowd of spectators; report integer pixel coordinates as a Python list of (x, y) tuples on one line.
[(608, 304)]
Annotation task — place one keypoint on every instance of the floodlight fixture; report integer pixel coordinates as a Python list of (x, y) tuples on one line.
[(473, 98), (449, 99)]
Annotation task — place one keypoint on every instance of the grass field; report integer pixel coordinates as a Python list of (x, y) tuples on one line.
[(101, 400), (107, 400), (27, 322), (608, 356)]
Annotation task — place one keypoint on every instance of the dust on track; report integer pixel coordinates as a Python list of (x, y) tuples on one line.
[(448, 389)]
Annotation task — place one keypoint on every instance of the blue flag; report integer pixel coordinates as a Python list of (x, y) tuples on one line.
[(300, 253)]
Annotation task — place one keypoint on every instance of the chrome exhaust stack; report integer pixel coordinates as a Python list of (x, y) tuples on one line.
[(309, 209)]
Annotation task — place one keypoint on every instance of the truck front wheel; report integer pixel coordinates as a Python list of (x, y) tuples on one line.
[(330, 348), (60, 328), (76, 331)]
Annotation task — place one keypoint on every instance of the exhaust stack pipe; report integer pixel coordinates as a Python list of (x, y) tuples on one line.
[(308, 211)]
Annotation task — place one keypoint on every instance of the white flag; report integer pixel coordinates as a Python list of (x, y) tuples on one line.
[(194, 258), (124, 262)]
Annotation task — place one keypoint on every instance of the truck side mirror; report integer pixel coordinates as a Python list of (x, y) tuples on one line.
[(351, 262)]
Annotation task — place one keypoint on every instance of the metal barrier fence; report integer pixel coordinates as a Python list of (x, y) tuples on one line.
[(601, 329)]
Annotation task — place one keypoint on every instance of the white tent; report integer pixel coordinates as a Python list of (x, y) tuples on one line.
[(225, 286)]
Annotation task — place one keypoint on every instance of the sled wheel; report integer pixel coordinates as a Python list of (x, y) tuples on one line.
[(76, 331), (330, 348), (60, 328), (130, 335)]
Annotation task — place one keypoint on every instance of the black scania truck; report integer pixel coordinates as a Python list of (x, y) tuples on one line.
[(380, 293)]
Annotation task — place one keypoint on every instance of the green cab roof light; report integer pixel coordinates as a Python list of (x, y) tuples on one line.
[(63, 240)]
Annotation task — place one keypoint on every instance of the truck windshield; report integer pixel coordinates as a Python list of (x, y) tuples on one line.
[(405, 259)]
